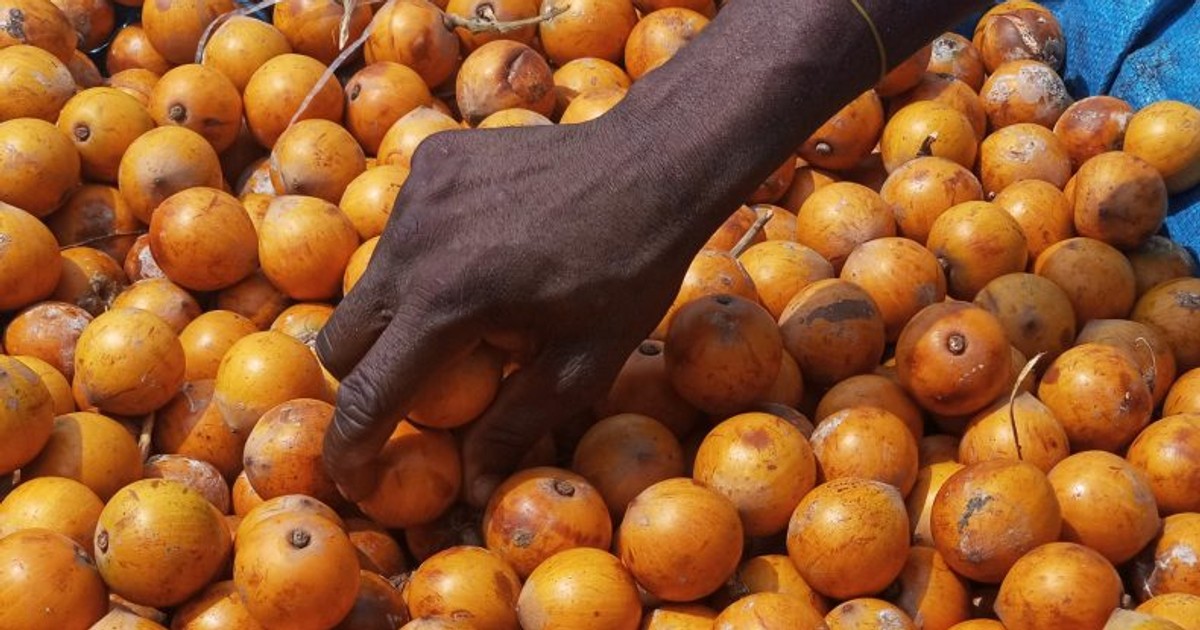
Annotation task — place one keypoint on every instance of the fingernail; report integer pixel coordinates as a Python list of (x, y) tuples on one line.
[(482, 489)]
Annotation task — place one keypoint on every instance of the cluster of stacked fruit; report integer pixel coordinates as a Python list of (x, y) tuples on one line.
[(941, 371)]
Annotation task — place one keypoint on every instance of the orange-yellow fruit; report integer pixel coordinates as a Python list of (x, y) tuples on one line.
[(159, 542), (35, 558)]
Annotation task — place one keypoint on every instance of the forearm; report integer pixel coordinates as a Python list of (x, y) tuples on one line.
[(735, 102)]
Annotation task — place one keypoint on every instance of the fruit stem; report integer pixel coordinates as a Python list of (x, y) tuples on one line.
[(564, 488), (299, 538), (748, 237), (1012, 400), (1152, 376), (487, 22)]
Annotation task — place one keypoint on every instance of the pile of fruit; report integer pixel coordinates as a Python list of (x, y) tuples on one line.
[(941, 371)]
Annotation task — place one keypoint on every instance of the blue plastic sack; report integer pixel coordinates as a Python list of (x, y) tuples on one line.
[(1141, 51)]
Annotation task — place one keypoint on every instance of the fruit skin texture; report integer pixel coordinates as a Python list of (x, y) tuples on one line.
[(1098, 395), (988, 515), (768, 611), (1059, 585), (129, 362), (296, 571), (953, 358), (680, 540), (159, 542), (55, 503), (26, 417), (469, 579), (48, 582), (538, 512), (28, 273), (581, 589), (849, 537), (761, 463), (1168, 453), (1167, 135)]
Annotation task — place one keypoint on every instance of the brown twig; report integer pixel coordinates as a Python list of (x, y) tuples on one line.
[(486, 21), (748, 237), (103, 237)]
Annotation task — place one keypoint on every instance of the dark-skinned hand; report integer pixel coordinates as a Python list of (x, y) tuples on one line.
[(564, 245)]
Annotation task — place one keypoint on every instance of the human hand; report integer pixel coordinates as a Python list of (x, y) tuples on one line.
[(547, 242)]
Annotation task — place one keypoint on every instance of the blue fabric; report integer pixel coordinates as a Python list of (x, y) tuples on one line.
[(1141, 51)]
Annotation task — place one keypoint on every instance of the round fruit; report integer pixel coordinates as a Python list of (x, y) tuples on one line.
[(1019, 152), (1059, 584), (762, 464), (1144, 344), (956, 56), (538, 512), (33, 83), (90, 279), (1036, 314), (400, 141), (1097, 278), (1092, 126), (304, 246), (466, 580), (767, 611), (149, 355), (829, 543), (1098, 394), (779, 269), (38, 23), (240, 45), (48, 331), (581, 588), (920, 190), (1024, 91), (1106, 503), (379, 95), (1166, 134), (900, 275), (928, 128), (215, 608), (162, 162), (680, 540), (283, 453), (98, 216), (1174, 307), (26, 419), (175, 28), (296, 570), (953, 358), (834, 330), (1019, 30), (1167, 454), (1119, 199), (624, 454), (1039, 438), (275, 91), (837, 218), (848, 137), (587, 73), (1042, 211), (34, 558), (866, 443), (722, 352), (203, 239), (317, 158), (988, 515), (369, 198), (314, 27), (420, 476), (414, 33), (868, 612), (159, 542), (260, 371), (642, 387), (658, 36), (460, 391), (502, 74), (40, 164), (130, 50), (1155, 261)]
